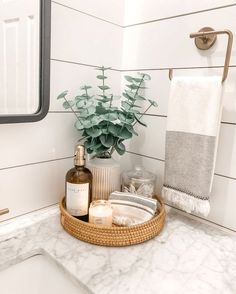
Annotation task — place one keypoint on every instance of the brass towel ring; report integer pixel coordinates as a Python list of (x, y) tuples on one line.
[(205, 39)]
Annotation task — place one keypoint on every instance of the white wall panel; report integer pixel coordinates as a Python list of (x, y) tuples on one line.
[(84, 39), (159, 45), (28, 188), (222, 198), (53, 137), (67, 76), (167, 44), (151, 139), (76, 37), (151, 142), (137, 11), (159, 87), (81, 38), (112, 10)]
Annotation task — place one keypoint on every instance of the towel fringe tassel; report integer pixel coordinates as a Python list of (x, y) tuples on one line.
[(186, 202)]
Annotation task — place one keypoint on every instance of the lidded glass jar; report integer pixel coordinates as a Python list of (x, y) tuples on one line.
[(139, 181)]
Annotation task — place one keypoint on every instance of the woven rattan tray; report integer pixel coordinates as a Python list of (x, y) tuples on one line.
[(113, 236)]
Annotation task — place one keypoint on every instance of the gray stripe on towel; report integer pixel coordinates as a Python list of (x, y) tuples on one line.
[(189, 163)]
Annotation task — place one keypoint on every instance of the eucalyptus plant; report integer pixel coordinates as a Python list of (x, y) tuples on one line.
[(103, 125)]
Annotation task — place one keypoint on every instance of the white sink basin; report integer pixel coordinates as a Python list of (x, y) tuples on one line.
[(38, 274)]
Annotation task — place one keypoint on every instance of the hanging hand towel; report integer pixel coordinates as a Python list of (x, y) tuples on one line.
[(193, 122)]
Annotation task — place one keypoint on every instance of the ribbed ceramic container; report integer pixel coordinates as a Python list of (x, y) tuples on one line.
[(106, 177)]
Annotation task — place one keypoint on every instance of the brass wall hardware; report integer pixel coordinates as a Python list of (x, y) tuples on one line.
[(204, 42), (4, 211), (205, 39), (170, 73)]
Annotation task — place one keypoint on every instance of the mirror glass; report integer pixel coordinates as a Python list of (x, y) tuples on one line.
[(24, 28)]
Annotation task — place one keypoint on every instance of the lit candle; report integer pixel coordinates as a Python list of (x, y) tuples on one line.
[(100, 213)]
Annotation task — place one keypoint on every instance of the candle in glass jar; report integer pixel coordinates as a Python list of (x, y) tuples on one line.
[(100, 213)]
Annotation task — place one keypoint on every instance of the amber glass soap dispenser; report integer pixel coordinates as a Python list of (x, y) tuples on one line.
[(79, 186)]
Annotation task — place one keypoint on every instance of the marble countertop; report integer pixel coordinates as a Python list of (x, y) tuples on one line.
[(187, 257)]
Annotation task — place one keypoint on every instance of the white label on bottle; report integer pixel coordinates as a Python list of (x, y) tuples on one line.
[(77, 198)]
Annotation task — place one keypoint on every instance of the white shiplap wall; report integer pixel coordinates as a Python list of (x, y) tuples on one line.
[(34, 157), (128, 35), (156, 38)]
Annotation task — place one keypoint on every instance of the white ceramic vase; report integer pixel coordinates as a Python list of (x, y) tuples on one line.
[(106, 177)]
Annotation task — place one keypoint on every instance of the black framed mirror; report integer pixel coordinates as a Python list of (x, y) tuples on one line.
[(25, 38)]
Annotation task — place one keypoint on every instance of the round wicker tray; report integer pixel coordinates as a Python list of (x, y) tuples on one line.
[(115, 235)]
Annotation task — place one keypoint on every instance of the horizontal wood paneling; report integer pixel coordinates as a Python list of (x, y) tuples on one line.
[(68, 76), (138, 11), (53, 137), (159, 86), (167, 43), (81, 38), (112, 10), (222, 197), (35, 157), (32, 187), (158, 45), (151, 142)]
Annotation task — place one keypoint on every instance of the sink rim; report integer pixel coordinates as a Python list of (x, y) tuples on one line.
[(42, 252)]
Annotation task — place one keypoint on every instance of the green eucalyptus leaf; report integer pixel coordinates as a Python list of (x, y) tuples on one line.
[(133, 87), (84, 114), (128, 96), (129, 79), (78, 125), (94, 132), (122, 117), (103, 123), (85, 87), (83, 97), (101, 77), (91, 110), (62, 95), (127, 106), (153, 103), (105, 130), (104, 87), (100, 110), (114, 109), (126, 119), (110, 116), (97, 145), (130, 93), (87, 125), (134, 111), (103, 96), (84, 104), (138, 80), (95, 120), (68, 104), (120, 147), (102, 68), (104, 100), (114, 129), (130, 128), (141, 98), (80, 97), (146, 77), (107, 140), (125, 133), (136, 106), (88, 144)]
